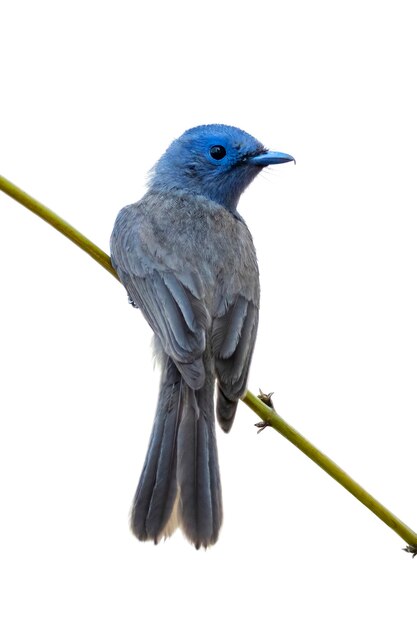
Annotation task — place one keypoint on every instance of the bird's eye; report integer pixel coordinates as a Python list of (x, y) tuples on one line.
[(218, 152)]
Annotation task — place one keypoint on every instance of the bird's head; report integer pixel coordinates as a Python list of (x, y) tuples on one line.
[(215, 161)]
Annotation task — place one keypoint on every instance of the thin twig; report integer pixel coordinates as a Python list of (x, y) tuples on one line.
[(271, 417), (57, 222), (267, 414)]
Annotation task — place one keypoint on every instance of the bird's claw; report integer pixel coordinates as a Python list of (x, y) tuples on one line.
[(266, 398), (261, 426), (412, 549)]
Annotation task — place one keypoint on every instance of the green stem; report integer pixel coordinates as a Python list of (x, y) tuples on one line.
[(57, 222), (271, 417), (260, 408)]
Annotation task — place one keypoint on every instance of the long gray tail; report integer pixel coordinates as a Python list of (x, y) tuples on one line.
[(180, 481)]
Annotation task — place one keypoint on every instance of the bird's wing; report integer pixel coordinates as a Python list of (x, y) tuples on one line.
[(170, 298), (233, 341)]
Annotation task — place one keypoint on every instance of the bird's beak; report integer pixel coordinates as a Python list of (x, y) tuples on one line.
[(270, 158)]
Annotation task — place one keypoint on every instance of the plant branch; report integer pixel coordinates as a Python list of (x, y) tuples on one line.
[(57, 222), (267, 414), (271, 417)]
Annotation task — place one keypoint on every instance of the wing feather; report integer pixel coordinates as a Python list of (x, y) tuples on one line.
[(171, 301)]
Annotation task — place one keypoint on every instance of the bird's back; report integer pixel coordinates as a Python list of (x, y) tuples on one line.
[(197, 239)]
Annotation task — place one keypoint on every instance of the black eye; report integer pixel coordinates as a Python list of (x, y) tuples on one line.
[(218, 152)]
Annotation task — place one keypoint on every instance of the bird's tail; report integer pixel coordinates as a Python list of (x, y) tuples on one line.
[(180, 481)]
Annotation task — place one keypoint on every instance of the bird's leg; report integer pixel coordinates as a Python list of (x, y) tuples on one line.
[(266, 399)]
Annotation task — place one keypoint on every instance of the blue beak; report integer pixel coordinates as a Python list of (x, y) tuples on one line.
[(270, 158)]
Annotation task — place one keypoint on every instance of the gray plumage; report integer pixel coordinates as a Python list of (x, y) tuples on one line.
[(188, 262)]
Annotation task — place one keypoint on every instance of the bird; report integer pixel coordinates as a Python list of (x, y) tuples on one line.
[(187, 260)]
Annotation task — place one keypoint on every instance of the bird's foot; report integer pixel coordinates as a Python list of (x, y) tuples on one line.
[(261, 426), (266, 399), (411, 549)]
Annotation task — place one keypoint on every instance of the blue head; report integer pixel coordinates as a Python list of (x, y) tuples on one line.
[(215, 161)]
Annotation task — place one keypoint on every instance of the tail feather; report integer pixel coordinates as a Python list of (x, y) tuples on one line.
[(156, 493), (198, 476), (180, 481)]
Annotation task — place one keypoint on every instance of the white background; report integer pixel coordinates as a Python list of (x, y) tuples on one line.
[(91, 94)]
